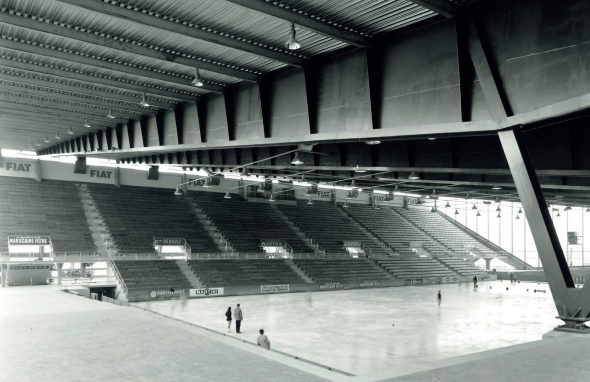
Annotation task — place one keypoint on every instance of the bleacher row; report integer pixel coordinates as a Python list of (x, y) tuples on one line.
[(48, 208), (135, 215), (141, 275)]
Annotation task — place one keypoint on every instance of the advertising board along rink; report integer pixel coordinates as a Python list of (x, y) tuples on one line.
[(387, 329)]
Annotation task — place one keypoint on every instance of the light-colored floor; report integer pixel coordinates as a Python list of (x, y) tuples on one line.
[(353, 330), (47, 335)]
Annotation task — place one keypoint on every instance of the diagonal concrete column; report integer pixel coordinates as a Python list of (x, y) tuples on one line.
[(573, 305)]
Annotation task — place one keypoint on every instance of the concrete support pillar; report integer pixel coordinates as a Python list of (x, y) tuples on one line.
[(4, 272), (488, 262), (572, 303), (82, 269), (59, 273)]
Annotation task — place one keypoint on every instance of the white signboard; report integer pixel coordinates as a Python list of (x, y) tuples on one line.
[(205, 292)]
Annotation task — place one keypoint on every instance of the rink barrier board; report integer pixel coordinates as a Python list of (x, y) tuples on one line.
[(160, 295)]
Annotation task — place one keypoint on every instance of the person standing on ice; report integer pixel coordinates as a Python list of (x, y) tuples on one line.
[(439, 298), (228, 318), (474, 282), (239, 317)]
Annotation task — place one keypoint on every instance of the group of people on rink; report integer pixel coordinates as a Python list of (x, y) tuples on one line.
[(262, 339), (513, 278)]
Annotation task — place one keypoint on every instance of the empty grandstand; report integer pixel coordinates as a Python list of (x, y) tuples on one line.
[(414, 267), (245, 225), (341, 270), (222, 273), (328, 225), (50, 208), (137, 215), (155, 274)]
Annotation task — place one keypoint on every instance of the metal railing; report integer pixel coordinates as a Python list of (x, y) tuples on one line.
[(86, 281), (119, 277)]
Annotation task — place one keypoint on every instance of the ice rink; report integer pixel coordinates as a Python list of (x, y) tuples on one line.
[(374, 331)]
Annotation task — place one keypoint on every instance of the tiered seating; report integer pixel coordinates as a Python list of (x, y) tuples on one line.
[(336, 270), (245, 224), (329, 227), (462, 266), (52, 208), (154, 274), (135, 215), (444, 231), (410, 267), (394, 230), (221, 273)]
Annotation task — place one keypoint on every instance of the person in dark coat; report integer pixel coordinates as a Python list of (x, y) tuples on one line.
[(228, 318), (474, 282), (439, 298)]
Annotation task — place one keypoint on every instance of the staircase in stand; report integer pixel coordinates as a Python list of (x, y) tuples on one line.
[(377, 266), (307, 240), (100, 232), (221, 242), (296, 269), (400, 213), (188, 273), (384, 247)]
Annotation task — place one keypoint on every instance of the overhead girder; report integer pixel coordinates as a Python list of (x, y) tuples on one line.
[(92, 112), (46, 93), (103, 64), (106, 96), (307, 22), (442, 7), (66, 74), (128, 14), (95, 39)]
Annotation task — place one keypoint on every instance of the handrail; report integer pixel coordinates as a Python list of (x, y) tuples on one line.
[(119, 277)]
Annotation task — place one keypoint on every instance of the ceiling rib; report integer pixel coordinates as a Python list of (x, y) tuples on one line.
[(66, 74), (74, 34), (89, 109), (186, 30), (41, 109), (43, 93), (78, 91), (319, 27), (103, 64), (442, 7)]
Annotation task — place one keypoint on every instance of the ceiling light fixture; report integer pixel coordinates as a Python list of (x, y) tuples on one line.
[(377, 206), (292, 43), (567, 208), (372, 143), (359, 170), (272, 199), (310, 202), (143, 102), (227, 195), (345, 205), (478, 214), (456, 212), (87, 125), (517, 218), (296, 161), (110, 115), (558, 215), (496, 188), (419, 202), (38, 144), (197, 81), (588, 209), (349, 195), (448, 205), (57, 135), (519, 211), (499, 216), (70, 131), (414, 176), (497, 199), (474, 207), (433, 209), (46, 139), (260, 188), (498, 209), (177, 192)]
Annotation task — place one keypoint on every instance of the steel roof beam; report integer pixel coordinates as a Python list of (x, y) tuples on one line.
[(27, 92), (66, 74), (185, 30), (87, 111), (331, 31), (41, 109), (128, 47), (54, 87), (75, 123), (442, 7), (102, 64)]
